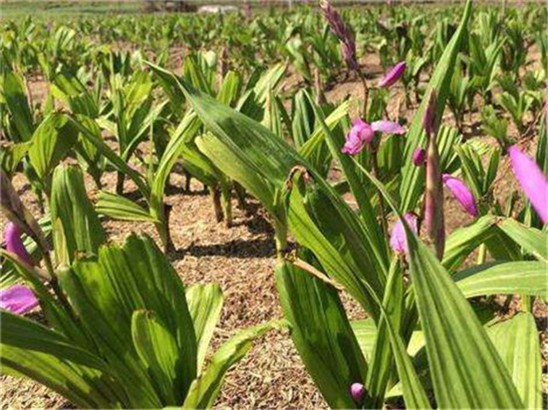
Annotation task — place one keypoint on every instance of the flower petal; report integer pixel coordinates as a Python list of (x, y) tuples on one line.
[(17, 299), (462, 194), (14, 244), (393, 75), (359, 135), (532, 181), (388, 127), (398, 240)]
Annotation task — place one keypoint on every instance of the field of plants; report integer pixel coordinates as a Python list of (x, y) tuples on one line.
[(321, 206)]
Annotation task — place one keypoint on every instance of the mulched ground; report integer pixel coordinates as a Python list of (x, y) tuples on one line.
[(242, 260)]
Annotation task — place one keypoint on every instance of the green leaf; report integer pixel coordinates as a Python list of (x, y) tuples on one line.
[(119, 207), (524, 277), (76, 226), (12, 155), (322, 334), (106, 290), (205, 303), (158, 349), (80, 124), (532, 240), (412, 176), (466, 370), (205, 389), (34, 351), (50, 143), (464, 240), (13, 90), (516, 340)]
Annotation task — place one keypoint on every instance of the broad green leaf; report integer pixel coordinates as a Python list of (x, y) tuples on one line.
[(466, 370), (204, 303), (76, 226), (13, 91), (50, 143), (119, 207), (205, 389), (517, 342), (524, 277), (158, 349), (322, 334), (106, 290), (532, 240), (34, 351)]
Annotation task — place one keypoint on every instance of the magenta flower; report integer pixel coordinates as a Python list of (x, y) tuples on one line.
[(362, 133), (357, 391), (532, 180), (462, 194), (17, 299), (419, 157), (398, 240), (14, 244), (393, 75)]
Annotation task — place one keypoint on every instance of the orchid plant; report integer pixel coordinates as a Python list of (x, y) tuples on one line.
[(122, 330)]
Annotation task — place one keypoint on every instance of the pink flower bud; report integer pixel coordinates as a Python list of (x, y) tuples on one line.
[(532, 180), (393, 75), (398, 240), (14, 244), (419, 157), (429, 119), (357, 391), (462, 194), (17, 299)]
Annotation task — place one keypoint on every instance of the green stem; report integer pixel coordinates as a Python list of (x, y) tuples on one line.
[(376, 174), (365, 94)]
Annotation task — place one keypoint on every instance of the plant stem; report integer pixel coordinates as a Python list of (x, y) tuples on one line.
[(376, 174), (216, 197), (365, 94)]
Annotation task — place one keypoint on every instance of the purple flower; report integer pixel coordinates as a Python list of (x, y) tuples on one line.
[(419, 157), (398, 240), (362, 133), (393, 75), (17, 299), (387, 127), (14, 244), (461, 193), (532, 180), (357, 391)]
